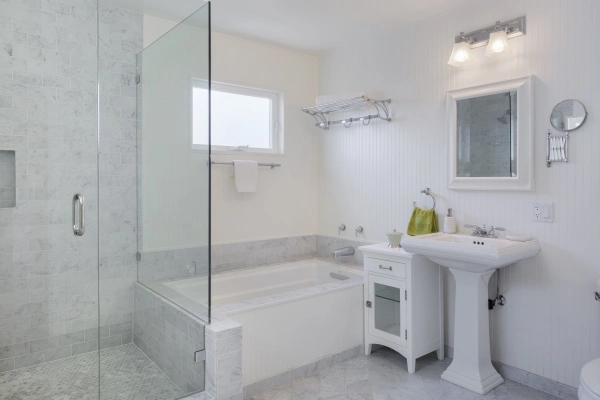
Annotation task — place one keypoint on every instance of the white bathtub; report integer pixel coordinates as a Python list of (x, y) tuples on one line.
[(291, 314), (235, 287)]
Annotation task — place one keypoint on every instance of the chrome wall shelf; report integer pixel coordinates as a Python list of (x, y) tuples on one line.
[(322, 111)]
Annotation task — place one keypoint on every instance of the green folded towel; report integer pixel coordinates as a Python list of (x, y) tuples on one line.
[(422, 222)]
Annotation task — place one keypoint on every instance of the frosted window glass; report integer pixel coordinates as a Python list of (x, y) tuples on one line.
[(237, 120)]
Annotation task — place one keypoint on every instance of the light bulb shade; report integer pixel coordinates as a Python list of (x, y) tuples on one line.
[(461, 55), (498, 45)]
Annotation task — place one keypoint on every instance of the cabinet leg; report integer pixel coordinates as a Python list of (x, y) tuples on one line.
[(411, 364), (368, 348), (440, 353)]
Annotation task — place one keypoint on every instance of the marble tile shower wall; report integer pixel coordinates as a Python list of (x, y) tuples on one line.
[(48, 116)]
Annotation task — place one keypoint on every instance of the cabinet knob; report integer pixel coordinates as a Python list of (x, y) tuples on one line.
[(382, 267)]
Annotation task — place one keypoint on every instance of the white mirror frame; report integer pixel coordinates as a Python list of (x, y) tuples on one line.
[(524, 180)]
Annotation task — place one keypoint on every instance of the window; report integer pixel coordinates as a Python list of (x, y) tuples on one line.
[(242, 118)]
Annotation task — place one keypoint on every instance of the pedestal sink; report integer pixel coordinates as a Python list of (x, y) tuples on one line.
[(472, 261)]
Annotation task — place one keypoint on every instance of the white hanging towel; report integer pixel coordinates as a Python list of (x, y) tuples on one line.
[(246, 175)]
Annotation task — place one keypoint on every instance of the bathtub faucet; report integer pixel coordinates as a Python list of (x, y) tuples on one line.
[(344, 251)]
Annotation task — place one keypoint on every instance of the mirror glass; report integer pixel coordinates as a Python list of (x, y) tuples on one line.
[(568, 115), (486, 135)]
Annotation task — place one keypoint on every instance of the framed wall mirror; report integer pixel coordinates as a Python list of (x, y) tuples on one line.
[(491, 136)]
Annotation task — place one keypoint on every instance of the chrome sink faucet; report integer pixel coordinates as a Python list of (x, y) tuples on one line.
[(484, 232)]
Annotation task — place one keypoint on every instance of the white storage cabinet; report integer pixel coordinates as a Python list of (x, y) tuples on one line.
[(403, 303)]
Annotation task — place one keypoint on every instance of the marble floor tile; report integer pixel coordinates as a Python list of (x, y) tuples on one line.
[(126, 373), (383, 376)]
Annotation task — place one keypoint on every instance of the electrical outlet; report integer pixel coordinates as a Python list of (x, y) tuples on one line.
[(542, 212)]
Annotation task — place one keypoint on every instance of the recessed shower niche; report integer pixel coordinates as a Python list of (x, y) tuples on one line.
[(8, 179)]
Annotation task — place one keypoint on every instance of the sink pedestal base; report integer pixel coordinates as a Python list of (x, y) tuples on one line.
[(472, 367)]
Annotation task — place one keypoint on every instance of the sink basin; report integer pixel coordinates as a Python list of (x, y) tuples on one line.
[(470, 253), (472, 261)]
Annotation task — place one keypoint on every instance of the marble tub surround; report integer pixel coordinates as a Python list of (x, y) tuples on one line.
[(199, 310), (177, 263), (383, 375), (173, 264), (169, 336), (227, 257), (224, 359)]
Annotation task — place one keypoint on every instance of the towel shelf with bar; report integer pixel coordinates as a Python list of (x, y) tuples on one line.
[(272, 165), (321, 112)]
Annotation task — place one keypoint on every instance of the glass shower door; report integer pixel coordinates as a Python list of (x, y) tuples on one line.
[(49, 205)]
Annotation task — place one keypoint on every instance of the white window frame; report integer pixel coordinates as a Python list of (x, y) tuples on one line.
[(276, 126)]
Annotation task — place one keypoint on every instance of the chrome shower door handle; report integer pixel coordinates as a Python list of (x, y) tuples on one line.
[(79, 228)]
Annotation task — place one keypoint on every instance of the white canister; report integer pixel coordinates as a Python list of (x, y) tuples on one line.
[(394, 239)]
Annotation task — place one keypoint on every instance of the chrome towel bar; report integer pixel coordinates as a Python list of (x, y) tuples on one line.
[(272, 165)]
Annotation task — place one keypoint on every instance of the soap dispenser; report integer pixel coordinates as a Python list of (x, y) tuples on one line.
[(449, 223)]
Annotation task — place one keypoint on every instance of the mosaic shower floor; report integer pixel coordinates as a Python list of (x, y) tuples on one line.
[(127, 374)]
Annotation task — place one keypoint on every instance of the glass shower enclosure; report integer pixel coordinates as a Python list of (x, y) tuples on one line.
[(104, 204)]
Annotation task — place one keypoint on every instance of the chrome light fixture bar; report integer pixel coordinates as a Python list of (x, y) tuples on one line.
[(481, 37)]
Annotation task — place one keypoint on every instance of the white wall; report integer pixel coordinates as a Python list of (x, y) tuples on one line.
[(286, 201), (370, 176)]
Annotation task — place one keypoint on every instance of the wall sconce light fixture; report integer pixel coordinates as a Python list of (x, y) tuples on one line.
[(461, 54), (494, 36)]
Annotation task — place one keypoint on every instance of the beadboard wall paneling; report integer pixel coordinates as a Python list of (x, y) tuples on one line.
[(370, 175)]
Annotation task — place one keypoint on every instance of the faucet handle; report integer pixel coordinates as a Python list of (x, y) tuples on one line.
[(341, 228), (476, 229), (493, 229), (359, 229)]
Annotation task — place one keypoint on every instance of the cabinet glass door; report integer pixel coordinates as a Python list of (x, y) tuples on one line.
[(387, 315)]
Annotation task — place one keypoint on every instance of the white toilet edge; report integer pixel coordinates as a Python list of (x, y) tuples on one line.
[(584, 393)]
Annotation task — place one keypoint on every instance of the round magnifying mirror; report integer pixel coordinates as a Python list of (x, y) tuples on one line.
[(568, 115)]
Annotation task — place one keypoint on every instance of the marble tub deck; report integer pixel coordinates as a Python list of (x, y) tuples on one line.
[(383, 376)]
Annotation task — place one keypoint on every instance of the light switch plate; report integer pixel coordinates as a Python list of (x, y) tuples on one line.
[(542, 212)]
